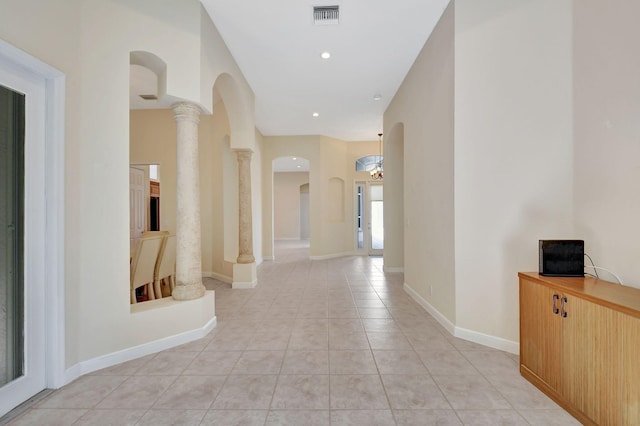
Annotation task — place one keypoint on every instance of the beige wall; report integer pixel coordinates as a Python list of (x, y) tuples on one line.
[(424, 107), (90, 43), (257, 196), (513, 151), (286, 204), (607, 128), (331, 160), (484, 106)]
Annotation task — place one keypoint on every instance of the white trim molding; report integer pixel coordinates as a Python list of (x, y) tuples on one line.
[(243, 285), (442, 320), (129, 354), (393, 269), (463, 333), (54, 245), (332, 256), (217, 276)]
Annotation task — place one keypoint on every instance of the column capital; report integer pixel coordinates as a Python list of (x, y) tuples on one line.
[(186, 111), (243, 154)]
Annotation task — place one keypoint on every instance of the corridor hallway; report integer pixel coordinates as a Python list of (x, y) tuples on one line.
[(315, 343)]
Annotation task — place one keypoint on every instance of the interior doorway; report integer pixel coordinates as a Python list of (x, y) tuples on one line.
[(291, 208)]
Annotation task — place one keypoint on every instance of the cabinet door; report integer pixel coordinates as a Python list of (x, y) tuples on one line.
[(592, 360), (631, 378), (540, 333)]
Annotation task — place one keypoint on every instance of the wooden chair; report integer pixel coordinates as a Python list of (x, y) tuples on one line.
[(166, 265), (154, 233), (143, 265)]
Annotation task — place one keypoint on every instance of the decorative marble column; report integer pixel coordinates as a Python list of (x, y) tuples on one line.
[(244, 271), (188, 252), (244, 208)]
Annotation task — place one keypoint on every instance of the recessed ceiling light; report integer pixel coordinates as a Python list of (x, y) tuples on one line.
[(325, 55), (377, 97), (298, 166), (315, 114), (294, 158)]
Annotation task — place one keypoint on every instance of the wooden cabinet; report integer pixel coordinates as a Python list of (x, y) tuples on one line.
[(592, 360), (579, 342), (631, 365), (540, 333)]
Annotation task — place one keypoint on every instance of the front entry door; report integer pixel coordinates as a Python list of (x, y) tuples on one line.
[(369, 218), (22, 325), (376, 219)]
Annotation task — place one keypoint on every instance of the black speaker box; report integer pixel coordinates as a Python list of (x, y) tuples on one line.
[(561, 258)]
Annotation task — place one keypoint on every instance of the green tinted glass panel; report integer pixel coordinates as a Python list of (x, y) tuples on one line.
[(12, 117)]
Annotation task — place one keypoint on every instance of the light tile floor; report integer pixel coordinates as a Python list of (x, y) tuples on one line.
[(315, 343)]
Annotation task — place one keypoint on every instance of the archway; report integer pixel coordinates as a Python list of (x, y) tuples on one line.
[(291, 194), (243, 235)]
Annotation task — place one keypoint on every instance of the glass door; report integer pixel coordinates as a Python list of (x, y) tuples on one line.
[(22, 325), (12, 227), (376, 219), (369, 218)]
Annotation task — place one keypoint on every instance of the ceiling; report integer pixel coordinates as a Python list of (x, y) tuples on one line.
[(278, 48), (290, 164)]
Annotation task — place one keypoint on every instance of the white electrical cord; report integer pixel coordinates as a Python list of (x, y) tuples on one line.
[(592, 264), (606, 270)]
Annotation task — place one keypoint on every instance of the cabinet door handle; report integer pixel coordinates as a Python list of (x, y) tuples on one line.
[(555, 308), (564, 313)]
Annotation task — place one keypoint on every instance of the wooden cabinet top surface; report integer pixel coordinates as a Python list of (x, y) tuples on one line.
[(615, 296)]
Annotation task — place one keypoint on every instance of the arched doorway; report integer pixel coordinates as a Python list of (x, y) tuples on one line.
[(291, 195)]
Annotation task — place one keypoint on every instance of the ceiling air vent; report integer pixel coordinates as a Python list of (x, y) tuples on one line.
[(325, 15)]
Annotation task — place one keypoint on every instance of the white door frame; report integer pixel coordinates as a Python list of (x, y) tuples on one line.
[(138, 205), (366, 218), (44, 213)]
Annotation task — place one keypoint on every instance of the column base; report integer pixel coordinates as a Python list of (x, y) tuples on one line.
[(188, 291), (244, 275)]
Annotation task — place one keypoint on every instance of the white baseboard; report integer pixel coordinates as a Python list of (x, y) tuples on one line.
[(243, 285), (269, 258), (464, 333), (332, 256), (442, 320), (217, 276), (393, 269), (488, 340), (108, 360)]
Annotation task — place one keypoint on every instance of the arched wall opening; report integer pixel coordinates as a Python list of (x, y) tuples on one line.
[(147, 90), (238, 110), (240, 136), (291, 199), (394, 182), (218, 194), (152, 200)]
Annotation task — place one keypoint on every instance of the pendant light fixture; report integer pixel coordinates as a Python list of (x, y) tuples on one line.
[(377, 171)]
